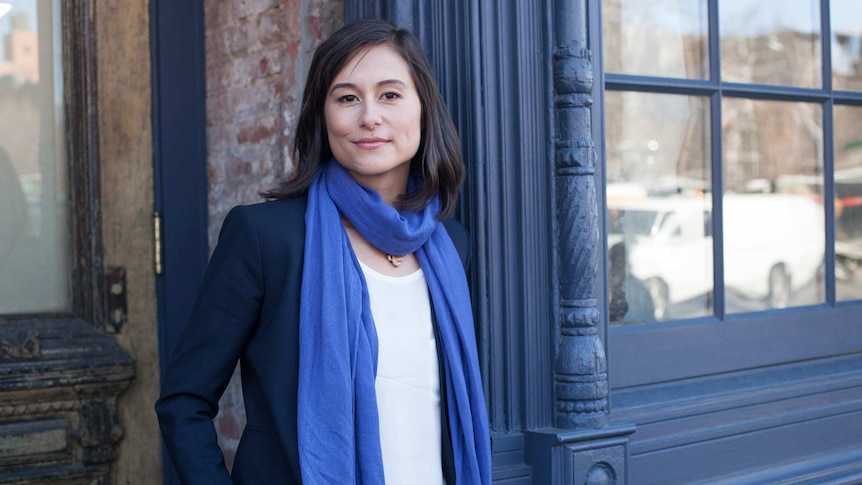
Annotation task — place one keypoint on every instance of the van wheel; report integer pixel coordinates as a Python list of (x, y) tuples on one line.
[(779, 287), (659, 294)]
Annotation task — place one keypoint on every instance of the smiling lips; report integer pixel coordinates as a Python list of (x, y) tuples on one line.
[(370, 143)]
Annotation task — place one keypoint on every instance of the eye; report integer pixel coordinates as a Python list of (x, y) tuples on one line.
[(390, 96), (348, 98)]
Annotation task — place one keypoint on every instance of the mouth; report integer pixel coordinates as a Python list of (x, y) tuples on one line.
[(370, 143)]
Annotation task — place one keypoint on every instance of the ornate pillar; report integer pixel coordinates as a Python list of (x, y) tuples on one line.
[(584, 448), (580, 372)]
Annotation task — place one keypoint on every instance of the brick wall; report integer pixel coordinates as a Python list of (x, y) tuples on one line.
[(257, 55)]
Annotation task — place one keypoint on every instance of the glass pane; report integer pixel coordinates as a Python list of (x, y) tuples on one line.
[(34, 226), (848, 202), (658, 198), (774, 230), (771, 42), (846, 21), (666, 38)]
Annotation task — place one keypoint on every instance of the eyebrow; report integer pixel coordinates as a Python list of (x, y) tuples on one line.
[(381, 83)]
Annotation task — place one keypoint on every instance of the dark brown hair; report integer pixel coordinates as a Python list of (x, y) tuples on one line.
[(438, 159)]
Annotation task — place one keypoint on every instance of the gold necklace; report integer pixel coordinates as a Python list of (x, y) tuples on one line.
[(395, 261)]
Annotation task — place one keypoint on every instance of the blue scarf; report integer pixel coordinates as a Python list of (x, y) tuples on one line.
[(338, 430)]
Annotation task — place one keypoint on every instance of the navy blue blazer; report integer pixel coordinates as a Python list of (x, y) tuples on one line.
[(247, 310)]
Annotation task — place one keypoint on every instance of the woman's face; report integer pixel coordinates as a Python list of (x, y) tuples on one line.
[(373, 118)]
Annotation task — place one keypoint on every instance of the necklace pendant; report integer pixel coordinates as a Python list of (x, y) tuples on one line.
[(393, 260)]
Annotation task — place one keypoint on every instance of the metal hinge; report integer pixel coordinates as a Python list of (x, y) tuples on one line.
[(157, 243)]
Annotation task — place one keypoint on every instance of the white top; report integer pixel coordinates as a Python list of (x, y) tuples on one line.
[(408, 383)]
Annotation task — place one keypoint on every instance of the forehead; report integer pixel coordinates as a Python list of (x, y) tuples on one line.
[(373, 64)]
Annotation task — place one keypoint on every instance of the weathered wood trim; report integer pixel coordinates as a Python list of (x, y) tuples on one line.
[(58, 413), (82, 142)]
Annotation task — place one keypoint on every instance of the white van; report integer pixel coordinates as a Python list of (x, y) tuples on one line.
[(773, 245)]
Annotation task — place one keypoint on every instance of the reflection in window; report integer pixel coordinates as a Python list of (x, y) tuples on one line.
[(34, 260), (771, 42), (666, 38), (846, 20), (774, 231), (848, 202), (659, 240)]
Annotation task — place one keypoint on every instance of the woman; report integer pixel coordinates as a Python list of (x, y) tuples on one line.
[(344, 299)]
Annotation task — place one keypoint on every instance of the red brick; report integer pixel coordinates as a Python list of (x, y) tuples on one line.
[(292, 22), (217, 13), (215, 173), (314, 26), (269, 62), (218, 77), (250, 8), (249, 101), (259, 129), (271, 27)]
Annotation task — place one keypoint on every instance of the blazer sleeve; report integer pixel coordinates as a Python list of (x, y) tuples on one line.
[(226, 311)]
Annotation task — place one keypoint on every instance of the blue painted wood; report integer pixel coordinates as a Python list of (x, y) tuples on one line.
[(179, 146), (769, 450), (179, 165), (648, 354), (717, 174), (769, 390), (844, 467), (580, 372), (360, 9), (798, 419), (588, 456), (508, 459), (828, 156), (829, 202), (511, 196)]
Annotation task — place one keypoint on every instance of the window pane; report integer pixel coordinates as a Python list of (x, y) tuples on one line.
[(659, 217), (666, 38), (771, 42), (848, 203), (34, 259), (846, 21), (774, 231)]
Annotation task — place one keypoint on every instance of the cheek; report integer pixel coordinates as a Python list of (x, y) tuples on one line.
[(415, 124), (335, 123)]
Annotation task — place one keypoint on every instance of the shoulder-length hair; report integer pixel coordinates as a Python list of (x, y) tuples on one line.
[(438, 159)]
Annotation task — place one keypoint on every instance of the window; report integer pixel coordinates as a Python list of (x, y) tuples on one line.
[(34, 201), (50, 264), (733, 165)]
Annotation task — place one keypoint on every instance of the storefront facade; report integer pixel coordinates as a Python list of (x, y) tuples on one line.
[(663, 200)]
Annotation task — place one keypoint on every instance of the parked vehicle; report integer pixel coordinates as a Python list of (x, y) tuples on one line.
[(773, 245)]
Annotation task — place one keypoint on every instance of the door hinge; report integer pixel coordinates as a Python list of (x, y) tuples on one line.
[(157, 243)]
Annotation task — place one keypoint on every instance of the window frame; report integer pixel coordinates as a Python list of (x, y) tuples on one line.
[(665, 351)]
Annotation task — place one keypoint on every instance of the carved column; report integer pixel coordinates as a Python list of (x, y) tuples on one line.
[(585, 447), (580, 372)]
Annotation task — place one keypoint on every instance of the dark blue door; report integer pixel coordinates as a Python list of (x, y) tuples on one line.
[(179, 165)]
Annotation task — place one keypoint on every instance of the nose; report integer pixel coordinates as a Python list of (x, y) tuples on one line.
[(370, 117)]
